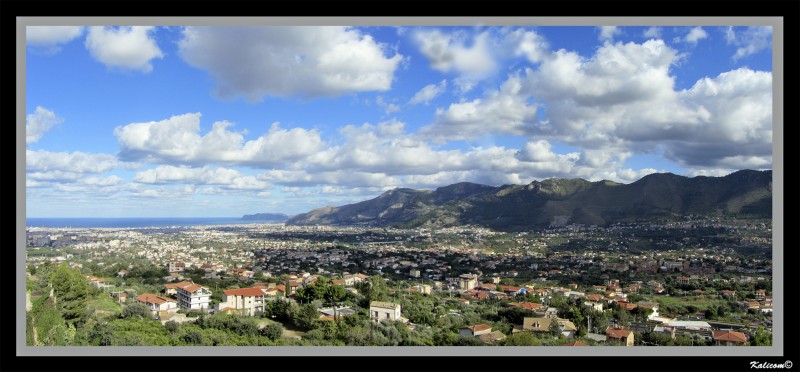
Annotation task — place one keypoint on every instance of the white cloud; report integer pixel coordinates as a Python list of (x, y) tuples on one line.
[(307, 61), (622, 101), (505, 111), (228, 179), (106, 181), (177, 141), (526, 43), (38, 123), (471, 57), (695, 34), (386, 106), (607, 33), (51, 37), (74, 162), (750, 41), (428, 93), (123, 47), (653, 32)]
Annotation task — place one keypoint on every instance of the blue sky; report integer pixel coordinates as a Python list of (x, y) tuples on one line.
[(226, 121)]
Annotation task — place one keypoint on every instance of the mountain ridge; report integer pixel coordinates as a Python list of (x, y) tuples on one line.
[(557, 201)]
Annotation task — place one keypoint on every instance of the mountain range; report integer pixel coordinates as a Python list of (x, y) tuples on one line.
[(271, 217), (557, 202)]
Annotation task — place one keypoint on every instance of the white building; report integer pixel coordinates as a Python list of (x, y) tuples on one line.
[(244, 300), (194, 297), (467, 281), (379, 310), (157, 303)]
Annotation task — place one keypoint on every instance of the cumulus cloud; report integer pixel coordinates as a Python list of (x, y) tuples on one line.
[(72, 162), (428, 93), (381, 148), (526, 43), (177, 141), (504, 111), (622, 101), (470, 56), (750, 41), (607, 33), (652, 32), (306, 61), (387, 107), (123, 47), (695, 34), (228, 179), (38, 123), (51, 37)]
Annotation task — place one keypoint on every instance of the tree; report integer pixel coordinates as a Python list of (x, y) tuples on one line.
[(135, 310), (761, 337), (522, 339), (373, 289), (555, 328), (272, 331), (71, 291)]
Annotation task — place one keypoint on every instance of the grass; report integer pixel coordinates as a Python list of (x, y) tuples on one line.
[(702, 303), (103, 304)]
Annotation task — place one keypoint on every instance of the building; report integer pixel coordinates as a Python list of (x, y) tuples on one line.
[(621, 335), (379, 310), (194, 297), (475, 330), (243, 300), (568, 328), (176, 267), (467, 281), (157, 303), (172, 288), (414, 273), (729, 338)]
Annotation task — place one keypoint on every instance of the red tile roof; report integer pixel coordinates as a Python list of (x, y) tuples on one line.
[(526, 305), (479, 327), (177, 285), (729, 336), (576, 343), (153, 299), (617, 333), (245, 292), (192, 288)]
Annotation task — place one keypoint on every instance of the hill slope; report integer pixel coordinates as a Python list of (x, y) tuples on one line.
[(555, 202)]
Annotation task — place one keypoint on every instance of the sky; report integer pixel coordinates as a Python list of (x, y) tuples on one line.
[(151, 121)]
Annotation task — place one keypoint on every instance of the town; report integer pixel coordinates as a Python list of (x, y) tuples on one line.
[(695, 282)]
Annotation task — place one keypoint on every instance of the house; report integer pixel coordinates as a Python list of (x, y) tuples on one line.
[(568, 328), (624, 336), (172, 288), (467, 281), (729, 293), (513, 290), (475, 330), (176, 267), (379, 310), (157, 303), (194, 297), (243, 300), (729, 338), (761, 293), (683, 280), (526, 305)]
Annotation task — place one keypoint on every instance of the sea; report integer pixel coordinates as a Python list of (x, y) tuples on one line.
[(136, 222)]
